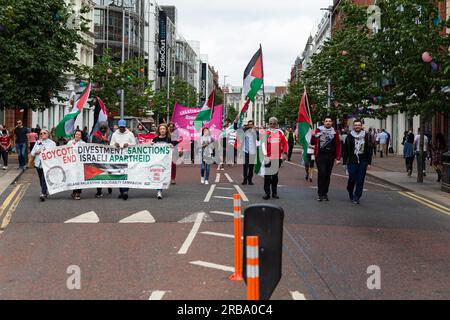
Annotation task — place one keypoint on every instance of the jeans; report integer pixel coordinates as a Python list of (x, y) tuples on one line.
[(409, 163), (123, 190), (21, 149), (249, 167), (421, 162), (271, 181), (325, 165), (356, 177), (5, 157), (40, 172), (204, 170)]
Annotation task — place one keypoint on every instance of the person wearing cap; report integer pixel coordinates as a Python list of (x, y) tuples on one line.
[(123, 138), (44, 143), (102, 136)]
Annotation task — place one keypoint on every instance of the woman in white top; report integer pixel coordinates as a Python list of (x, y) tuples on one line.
[(77, 140), (45, 143), (206, 151)]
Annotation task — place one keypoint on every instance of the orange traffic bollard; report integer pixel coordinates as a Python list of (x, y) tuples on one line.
[(252, 268), (238, 265)]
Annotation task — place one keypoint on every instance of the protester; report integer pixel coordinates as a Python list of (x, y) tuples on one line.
[(21, 143), (102, 136), (327, 152), (437, 151), (421, 162), (175, 137), (77, 140), (383, 140), (291, 139), (408, 151), (140, 130), (250, 138), (163, 136), (206, 151), (85, 134), (5, 144), (44, 143), (123, 138), (153, 128), (357, 156), (274, 150), (309, 164)]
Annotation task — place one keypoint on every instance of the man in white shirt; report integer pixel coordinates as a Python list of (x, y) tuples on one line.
[(417, 151), (383, 138), (123, 138), (249, 146)]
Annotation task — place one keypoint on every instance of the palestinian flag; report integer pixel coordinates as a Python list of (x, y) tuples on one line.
[(304, 125), (253, 81), (205, 113), (67, 125), (105, 172), (100, 115), (259, 165)]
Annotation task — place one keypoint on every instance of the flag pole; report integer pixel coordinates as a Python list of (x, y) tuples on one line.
[(263, 88), (308, 108)]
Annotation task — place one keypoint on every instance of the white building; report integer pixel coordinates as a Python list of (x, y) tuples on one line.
[(85, 54)]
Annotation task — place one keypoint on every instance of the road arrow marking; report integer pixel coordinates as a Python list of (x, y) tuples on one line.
[(140, 217), (193, 217), (213, 266), (157, 295), (198, 221), (297, 295), (89, 217)]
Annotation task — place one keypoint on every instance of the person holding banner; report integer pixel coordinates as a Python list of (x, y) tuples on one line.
[(41, 145), (123, 138), (77, 140), (102, 136), (163, 136), (206, 151)]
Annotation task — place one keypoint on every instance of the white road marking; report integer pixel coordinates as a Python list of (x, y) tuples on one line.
[(157, 295), (223, 188), (193, 217), (297, 295), (223, 213), (221, 197), (228, 177), (216, 234), (140, 217), (239, 190), (89, 217), (185, 247), (213, 266), (210, 192), (217, 177)]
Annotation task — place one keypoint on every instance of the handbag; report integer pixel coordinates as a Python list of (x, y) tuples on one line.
[(31, 162)]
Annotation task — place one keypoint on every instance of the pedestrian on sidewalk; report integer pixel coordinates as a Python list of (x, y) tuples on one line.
[(408, 151), (206, 151), (291, 139), (77, 140), (274, 149), (383, 139), (5, 144), (250, 138), (21, 143), (327, 153), (44, 143), (163, 136), (357, 156), (122, 139), (102, 136), (421, 162), (437, 151)]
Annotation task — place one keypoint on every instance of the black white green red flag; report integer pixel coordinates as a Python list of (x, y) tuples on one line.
[(304, 125)]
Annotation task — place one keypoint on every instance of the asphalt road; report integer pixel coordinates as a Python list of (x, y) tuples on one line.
[(327, 247)]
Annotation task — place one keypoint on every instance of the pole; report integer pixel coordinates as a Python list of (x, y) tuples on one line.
[(329, 80), (168, 77), (263, 88), (122, 93)]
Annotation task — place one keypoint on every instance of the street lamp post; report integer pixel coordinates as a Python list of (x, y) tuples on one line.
[(330, 10), (122, 92)]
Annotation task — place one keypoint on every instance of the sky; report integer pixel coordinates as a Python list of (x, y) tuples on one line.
[(230, 32)]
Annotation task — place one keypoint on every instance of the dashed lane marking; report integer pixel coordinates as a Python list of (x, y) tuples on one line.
[(241, 193), (185, 247), (229, 178), (297, 295), (89, 217), (12, 208), (210, 193), (221, 197), (157, 295), (212, 266), (217, 177)]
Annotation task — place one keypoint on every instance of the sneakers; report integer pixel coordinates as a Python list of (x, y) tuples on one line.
[(266, 197), (5, 168), (244, 183), (251, 183), (125, 196), (275, 196), (202, 180), (109, 190), (42, 197), (159, 195), (77, 196), (99, 195), (206, 182), (320, 199), (356, 201), (326, 198), (173, 181), (120, 196)]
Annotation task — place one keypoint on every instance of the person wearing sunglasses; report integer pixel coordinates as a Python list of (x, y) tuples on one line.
[(44, 143)]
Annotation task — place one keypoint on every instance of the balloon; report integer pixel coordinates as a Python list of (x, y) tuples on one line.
[(82, 84), (380, 98), (434, 67), (363, 66), (437, 20), (109, 71), (142, 70), (119, 92), (426, 57), (344, 53)]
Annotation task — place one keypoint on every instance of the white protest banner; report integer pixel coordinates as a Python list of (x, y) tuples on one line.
[(89, 166)]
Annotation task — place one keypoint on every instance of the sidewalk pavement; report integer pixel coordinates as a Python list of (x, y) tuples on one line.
[(10, 175), (393, 171)]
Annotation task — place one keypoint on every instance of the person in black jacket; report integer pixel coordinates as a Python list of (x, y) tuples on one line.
[(357, 156)]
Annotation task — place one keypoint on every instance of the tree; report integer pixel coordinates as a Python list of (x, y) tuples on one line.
[(109, 76), (38, 45)]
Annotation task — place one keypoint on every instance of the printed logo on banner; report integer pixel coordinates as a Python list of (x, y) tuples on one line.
[(56, 176), (157, 173), (105, 172)]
